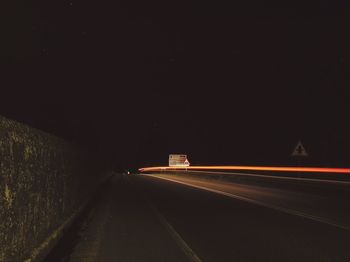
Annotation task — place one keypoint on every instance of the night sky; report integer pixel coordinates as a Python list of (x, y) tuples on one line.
[(225, 83)]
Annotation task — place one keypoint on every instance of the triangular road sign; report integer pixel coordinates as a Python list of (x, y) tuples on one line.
[(299, 150)]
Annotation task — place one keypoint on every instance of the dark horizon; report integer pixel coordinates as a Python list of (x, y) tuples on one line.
[(224, 84)]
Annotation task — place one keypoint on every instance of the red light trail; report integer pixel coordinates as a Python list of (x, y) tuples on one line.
[(253, 168)]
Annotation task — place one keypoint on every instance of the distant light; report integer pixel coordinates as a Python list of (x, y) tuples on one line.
[(254, 168), (128, 172)]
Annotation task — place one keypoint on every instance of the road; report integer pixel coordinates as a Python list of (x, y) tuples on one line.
[(323, 201), (150, 218)]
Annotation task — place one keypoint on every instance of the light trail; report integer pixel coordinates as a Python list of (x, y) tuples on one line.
[(253, 168)]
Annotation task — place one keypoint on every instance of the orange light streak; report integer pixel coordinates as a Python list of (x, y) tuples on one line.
[(253, 168)]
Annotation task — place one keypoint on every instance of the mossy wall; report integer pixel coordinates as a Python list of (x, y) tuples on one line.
[(43, 180)]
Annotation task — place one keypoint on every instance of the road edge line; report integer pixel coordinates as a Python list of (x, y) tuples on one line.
[(176, 236), (181, 243)]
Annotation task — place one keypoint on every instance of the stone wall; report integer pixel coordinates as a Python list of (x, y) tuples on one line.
[(43, 181)]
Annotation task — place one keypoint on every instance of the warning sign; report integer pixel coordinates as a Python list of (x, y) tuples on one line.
[(187, 163), (299, 150)]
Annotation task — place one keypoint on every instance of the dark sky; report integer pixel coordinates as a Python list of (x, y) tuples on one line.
[(225, 83)]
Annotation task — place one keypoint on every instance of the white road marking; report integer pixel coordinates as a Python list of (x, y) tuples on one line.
[(178, 239), (256, 202), (275, 177), (191, 255)]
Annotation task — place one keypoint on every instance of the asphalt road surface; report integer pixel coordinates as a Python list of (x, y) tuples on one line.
[(150, 218)]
